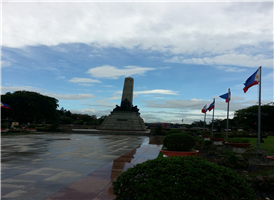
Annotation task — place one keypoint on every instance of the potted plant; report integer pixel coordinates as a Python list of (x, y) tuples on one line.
[(238, 144), (206, 135), (217, 138), (179, 144), (31, 128), (4, 128)]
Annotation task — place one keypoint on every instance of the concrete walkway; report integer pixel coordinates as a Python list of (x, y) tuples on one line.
[(69, 166)]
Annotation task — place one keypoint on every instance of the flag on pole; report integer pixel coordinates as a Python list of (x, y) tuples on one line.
[(204, 109), (254, 79), (3, 105), (226, 96), (211, 106)]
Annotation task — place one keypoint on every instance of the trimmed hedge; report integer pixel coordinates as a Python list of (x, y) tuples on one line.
[(238, 140), (179, 142), (3, 126), (218, 135), (173, 131), (181, 178)]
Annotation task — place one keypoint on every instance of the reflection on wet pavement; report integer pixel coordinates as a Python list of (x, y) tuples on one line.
[(80, 168)]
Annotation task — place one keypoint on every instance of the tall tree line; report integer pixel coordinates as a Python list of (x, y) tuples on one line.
[(29, 107), (36, 108)]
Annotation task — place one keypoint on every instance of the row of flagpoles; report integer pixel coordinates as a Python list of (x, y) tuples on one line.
[(254, 79)]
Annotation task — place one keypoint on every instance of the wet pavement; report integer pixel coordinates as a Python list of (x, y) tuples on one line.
[(69, 166)]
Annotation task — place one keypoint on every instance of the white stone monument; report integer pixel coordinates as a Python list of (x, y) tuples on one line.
[(125, 117)]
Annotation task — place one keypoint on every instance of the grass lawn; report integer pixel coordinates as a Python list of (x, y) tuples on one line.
[(268, 144)]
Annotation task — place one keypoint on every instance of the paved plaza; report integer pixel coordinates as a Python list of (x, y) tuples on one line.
[(69, 166)]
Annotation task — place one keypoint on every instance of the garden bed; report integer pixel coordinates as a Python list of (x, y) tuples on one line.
[(259, 173), (260, 176)]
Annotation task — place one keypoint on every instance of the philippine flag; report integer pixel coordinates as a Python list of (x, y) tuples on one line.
[(3, 105), (254, 79), (226, 96), (211, 106), (204, 109)]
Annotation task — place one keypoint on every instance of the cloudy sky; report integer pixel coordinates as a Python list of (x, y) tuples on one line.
[(180, 54)]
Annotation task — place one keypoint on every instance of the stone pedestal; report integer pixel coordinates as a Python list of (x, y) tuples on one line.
[(123, 121), (217, 143), (238, 150)]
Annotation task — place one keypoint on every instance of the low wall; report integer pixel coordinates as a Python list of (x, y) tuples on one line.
[(69, 127)]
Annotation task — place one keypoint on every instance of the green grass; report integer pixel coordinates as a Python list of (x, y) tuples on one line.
[(268, 144), (160, 155), (266, 171)]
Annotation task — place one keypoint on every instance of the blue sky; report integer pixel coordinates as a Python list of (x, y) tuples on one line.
[(180, 54)]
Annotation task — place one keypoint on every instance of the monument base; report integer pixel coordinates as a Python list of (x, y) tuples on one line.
[(123, 121)]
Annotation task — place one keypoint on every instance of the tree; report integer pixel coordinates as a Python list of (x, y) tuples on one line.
[(30, 107), (101, 119), (249, 117)]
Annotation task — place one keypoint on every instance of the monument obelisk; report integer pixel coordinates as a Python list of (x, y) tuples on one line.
[(128, 90), (126, 116)]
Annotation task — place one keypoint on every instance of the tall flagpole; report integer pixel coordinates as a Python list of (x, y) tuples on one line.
[(259, 112), (227, 117), (213, 117), (204, 123)]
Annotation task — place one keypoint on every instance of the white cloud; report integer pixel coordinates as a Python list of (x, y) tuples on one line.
[(194, 105), (227, 59), (85, 84), (116, 95), (107, 71), (5, 63), (157, 91), (176, 27), (5, 89), (269, 77), (61, 77), (84, 80), (91, 111), (230, 69), (88, 111), (100, 103), (70, 96)]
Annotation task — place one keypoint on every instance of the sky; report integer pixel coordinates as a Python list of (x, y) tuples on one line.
[(181, 55)]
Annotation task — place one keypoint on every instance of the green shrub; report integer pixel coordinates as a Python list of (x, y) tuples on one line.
[(264, 184), (54, 126), (229, 159), (206, 133), (158, 131), (179, 142), (238, 140), (207, 142), (181, 178), (218, 135), (39, 125), (67, 120), (3, 126), (173, 131), (244, 133), (31, 126), (251, 149)]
